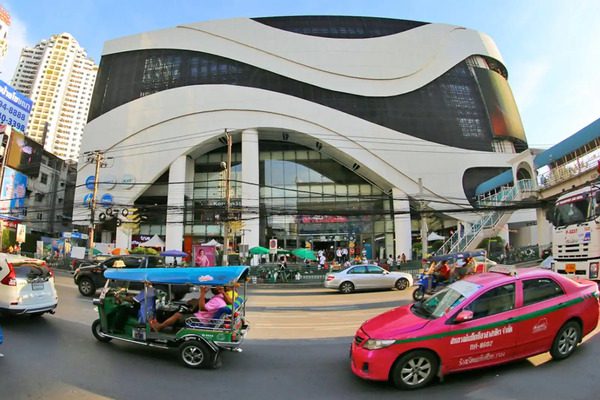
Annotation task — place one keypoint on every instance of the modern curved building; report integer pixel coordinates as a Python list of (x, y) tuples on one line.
[(342, 128)]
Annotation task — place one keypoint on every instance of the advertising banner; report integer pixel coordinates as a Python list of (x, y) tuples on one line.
[(21, 232), (24, 154), (12, 194), (209, 251), (14, 107)]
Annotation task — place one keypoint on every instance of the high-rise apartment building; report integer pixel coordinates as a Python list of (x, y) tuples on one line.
[(59, 77), (4, 25)]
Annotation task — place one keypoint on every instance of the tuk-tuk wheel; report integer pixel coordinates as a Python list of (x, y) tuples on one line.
[(97, 331), (195, 354)]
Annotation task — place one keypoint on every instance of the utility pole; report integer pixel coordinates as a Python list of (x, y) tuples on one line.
[(422, 204), (96, 156), (227, 199)]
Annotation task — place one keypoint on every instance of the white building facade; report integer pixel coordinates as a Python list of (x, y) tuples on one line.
[(59, 77), (344, 129)]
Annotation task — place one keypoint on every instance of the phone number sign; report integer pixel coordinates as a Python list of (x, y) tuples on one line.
[(14, 107)]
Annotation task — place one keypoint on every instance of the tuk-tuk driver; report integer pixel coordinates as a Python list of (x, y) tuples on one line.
[(144, 305)]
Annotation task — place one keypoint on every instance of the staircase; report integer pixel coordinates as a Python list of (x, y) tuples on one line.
[(491, 222)]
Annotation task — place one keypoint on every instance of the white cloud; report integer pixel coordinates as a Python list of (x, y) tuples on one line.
[(17, 39)]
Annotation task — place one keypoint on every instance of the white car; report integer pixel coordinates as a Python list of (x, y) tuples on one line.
[(359, 277), (26, 286)]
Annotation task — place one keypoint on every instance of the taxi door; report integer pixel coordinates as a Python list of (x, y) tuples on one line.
[(488, 338), (541, 320)]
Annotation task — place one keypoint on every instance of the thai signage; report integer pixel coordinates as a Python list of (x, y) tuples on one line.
[(14, 107)]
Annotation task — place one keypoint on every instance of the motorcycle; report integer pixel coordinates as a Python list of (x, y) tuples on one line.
[(428, 284)]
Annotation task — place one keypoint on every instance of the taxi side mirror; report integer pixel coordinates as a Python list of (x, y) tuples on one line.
[(463, 316)]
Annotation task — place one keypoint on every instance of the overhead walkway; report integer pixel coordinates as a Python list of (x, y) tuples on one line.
[(570, 164)]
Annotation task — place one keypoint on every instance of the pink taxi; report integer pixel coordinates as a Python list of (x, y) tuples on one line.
[(485, 319)]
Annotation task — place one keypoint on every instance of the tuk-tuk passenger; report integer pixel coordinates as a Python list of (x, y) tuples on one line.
[(207, 310)]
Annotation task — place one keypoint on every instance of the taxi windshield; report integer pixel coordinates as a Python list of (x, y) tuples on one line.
[(447, 299)]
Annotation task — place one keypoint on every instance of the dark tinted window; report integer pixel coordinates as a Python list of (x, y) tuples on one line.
[(133, 262), (536, 290), (30, 271), (155, 262), (340, 27), (358, 270), (494, 301), (109, 263), (449, 110), (374, 270)]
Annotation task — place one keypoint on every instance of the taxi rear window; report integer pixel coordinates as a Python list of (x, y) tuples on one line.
[(30, 271)]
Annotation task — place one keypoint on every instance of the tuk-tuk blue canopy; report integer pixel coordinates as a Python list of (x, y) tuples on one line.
[(206, 276)]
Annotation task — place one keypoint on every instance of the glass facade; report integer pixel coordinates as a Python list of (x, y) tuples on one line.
[(449, 110), (304, 196), (340, 27)]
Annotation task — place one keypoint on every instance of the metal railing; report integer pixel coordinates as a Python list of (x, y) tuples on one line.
[(459, 241), (568, 170)]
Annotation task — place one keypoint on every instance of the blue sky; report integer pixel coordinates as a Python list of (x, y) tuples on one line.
[(550, 47)]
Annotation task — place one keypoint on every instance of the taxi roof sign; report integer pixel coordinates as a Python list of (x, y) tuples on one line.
[(504, 269)]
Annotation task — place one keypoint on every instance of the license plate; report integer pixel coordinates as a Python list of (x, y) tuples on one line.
[(37, 286), (570, 268)]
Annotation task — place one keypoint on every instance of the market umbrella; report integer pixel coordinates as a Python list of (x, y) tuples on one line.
[(119, 251), (259, 250), (174, 253), (307, 254)]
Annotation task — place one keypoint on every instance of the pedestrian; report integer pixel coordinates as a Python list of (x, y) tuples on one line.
[(344, 254), (338, 255), (322, 261), (282, 269), (403, 258)]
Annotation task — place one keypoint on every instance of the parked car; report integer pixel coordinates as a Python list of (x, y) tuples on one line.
[(359, 277), (26, 286), (90, 278), (485, 319)]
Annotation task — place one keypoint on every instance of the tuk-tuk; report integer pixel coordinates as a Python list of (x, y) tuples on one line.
[(199, 342)]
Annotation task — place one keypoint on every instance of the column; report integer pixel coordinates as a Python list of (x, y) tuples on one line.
[(250, 187), (123, 239), (179, 183), (544, 230), (402, 224)]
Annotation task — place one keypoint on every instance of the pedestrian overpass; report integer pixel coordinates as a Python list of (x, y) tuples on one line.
[(568, 165)]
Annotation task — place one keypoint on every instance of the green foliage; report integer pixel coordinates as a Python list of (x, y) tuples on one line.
[(144, 250), (8, 238)]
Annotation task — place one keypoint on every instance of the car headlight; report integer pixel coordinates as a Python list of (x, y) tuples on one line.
[(375, 344)]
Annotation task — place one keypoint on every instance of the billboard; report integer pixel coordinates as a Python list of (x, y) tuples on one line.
[(24, 154), (12, 194), (14, 107)]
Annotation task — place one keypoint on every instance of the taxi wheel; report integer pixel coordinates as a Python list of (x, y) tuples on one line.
[(86, 287), (97, 331), (566, 340), (195, 354), (419, 294), (414, 370), (402, 284), (346, 287)]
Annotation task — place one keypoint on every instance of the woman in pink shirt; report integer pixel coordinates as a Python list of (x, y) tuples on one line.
[(207, 310)]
